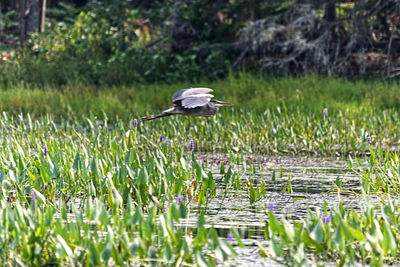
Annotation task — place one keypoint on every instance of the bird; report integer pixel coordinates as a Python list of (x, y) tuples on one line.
[(191, 102)]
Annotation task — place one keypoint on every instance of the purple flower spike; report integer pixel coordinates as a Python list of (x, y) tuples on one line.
[(135, 122), (179, 199), (161, 138), (325, 112), (326, 218), (191, 145), (33, 199), (229, 237), (271, 206), (166, 142), (297, 91), (45, 151), (369, 140)]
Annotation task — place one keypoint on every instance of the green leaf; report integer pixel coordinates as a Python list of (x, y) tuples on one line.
[(289, 230), (175, 211), (39, 196), (137, 217), (183, 211), (277, 248), (275, 226), (66, 249), (167, 252), (117, 255), (374, 244), (201, 198), (337, 243), (106, 252), (273, 176), (352, 233), (389, 245), (252, 194), (93, 255), (228, 176), (152, 254), (222, 168), (317, 233), (289, 185), (143, 176), (200, 260)]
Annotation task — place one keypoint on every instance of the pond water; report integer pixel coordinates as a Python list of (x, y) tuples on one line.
[(312, 181)]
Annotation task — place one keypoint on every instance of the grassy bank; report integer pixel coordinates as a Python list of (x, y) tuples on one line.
[(284, 115), (247, 92)]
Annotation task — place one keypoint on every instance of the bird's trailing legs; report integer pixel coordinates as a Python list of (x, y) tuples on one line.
[(152, 117)]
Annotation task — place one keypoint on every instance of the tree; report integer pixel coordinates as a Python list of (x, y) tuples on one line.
[(30, 18)]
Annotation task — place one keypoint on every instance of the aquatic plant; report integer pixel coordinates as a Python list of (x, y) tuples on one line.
[(346, 237)]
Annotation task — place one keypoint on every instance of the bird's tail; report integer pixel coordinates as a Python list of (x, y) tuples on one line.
[(152, 117)]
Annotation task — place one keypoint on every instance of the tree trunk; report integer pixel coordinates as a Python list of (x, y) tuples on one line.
[(22, 21), (32, 24), (330, 10), (42, 21), (1, 24)]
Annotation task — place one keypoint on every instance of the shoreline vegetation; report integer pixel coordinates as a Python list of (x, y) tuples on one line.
[(310, 115), (252, 93)]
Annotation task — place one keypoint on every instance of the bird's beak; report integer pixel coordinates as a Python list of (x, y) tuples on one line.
[(220, 103)]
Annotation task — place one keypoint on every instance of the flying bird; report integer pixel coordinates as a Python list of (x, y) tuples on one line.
[(191, 102)]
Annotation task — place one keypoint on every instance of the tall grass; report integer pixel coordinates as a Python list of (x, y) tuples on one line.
[(270, 115), (246, 91)]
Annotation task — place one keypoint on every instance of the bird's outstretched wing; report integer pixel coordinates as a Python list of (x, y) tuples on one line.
[(196, 100), (181, 94)]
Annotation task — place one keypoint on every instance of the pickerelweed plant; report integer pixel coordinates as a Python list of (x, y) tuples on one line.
[(114, 193), (97, 235), (341, 235), (381, 173), (91, 193)]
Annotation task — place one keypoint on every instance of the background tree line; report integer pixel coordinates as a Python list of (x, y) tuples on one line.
[(124, 42)]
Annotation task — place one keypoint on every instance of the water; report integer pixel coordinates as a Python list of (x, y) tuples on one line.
[(314, 181)]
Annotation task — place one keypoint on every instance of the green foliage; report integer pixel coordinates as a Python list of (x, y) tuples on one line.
[(344, 236), (246, 91), (96, 236), (381, 173), (283, 122), (109, 44), (96, 196), (124, 42)]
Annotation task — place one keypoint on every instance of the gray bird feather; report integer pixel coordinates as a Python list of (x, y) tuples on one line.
[(195, 101), (181, 94)]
